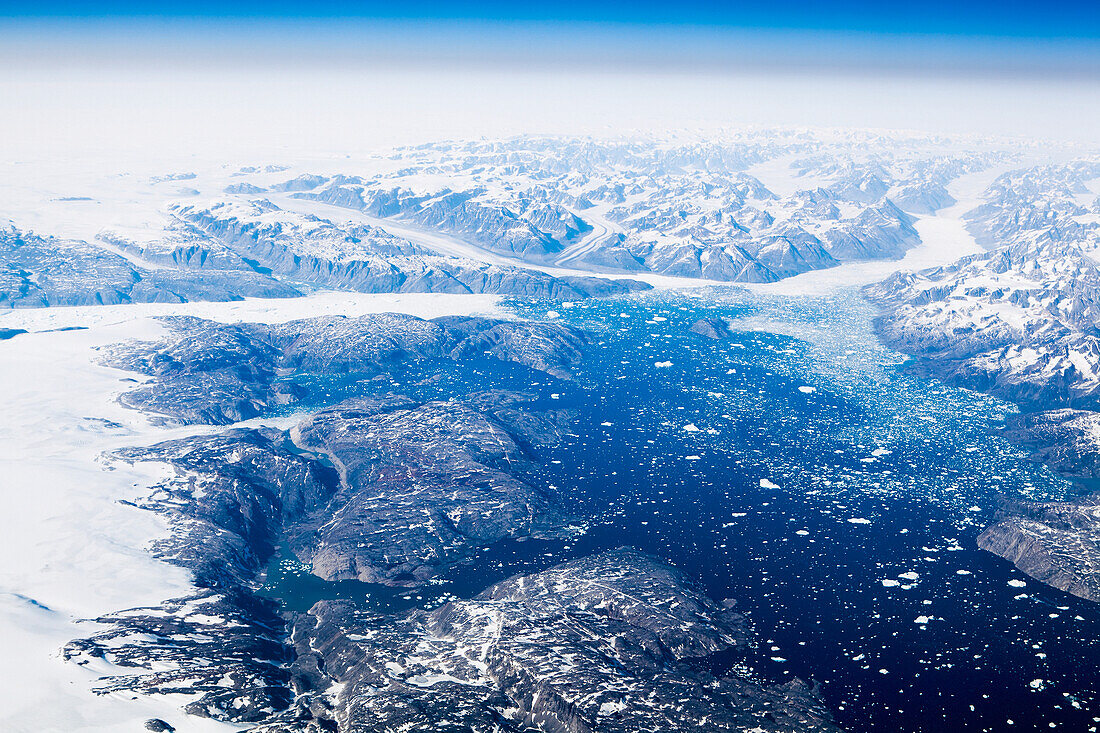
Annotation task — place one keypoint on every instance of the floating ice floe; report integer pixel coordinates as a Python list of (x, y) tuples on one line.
[(611, 708), (911, 575), (1017, 583), (766, 484), (859, 520), (662, 364), (691, 428), (807, 390)]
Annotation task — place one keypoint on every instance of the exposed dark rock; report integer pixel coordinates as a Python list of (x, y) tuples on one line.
[(422, 486), (714, 328), (396, 489), (1066, 440), (1054, 542), (208, 372), (230, 498), (547, 347), (613, 642), (381, 489), (533, 430), (227, 651)]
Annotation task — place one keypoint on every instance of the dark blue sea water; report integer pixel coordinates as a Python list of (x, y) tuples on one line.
[(798, 469)]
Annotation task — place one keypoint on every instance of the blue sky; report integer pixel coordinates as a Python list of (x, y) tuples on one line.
[(1056, 40), (1007, 18), (266, 74)]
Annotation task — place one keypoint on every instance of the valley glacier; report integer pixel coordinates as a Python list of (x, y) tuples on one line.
[(557, 433)]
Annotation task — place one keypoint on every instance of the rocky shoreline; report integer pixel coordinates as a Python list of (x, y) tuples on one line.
[(393, 480)]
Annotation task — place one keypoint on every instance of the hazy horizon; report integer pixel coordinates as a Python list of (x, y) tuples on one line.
[(200, 84)]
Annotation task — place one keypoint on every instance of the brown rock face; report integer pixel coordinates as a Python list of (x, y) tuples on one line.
[(1054, 542), (713, 328)]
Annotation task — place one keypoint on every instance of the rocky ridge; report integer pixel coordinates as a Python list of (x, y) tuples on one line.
[(216, 373), (37, 272), (613, 642)]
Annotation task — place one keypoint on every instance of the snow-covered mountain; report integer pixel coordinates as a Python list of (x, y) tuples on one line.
[(38, 271), (532, 217), (284, 449), (1018, 321), (689, 211)]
